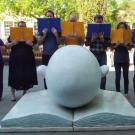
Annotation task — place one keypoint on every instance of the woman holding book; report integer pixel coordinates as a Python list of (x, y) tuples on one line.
[(22, 67), (98, 46), (121, 61), (1, 70)]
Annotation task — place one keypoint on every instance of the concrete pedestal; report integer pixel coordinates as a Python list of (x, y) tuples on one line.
[(35, 113)]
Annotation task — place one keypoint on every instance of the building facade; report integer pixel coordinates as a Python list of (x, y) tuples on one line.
[(8, 22)]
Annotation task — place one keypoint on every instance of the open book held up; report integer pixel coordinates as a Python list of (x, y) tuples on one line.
[(21, 34), (49, 23)]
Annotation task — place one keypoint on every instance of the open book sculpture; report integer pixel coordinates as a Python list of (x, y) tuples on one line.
[(74, 98)]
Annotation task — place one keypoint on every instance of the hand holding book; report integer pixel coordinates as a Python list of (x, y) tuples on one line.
[(73, 32), (125, 44), (69, 35), (121, 36), (77, 37), (98, 28), (14, 42), (54, 31), (28, 42), (94, 36), (21, 34), (45, 30), (101, 36), (49, 23)]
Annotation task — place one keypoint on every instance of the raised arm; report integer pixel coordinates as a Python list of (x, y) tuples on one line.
[(41, 37), (79, 39), (9, 44), (54, 31)]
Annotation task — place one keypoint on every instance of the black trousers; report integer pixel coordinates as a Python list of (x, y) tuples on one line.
[(1, 79), (102, 60), (125, 67), (134, 79), (45, 61)]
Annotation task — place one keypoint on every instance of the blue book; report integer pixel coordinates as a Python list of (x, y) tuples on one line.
[(98, 28), (133, 36), (49, 23)]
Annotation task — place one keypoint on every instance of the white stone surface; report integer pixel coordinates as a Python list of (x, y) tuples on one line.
[(105, 70), (41, 71), (109, 108), (36, 103), (106, 102), (73, 76)]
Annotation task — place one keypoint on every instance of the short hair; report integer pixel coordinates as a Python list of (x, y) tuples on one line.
[(21, 22), (49, 11), (74, 13), (122, 23), (98, 16)]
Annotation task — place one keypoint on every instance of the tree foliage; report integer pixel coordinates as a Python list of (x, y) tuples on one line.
[(37, 8), (89, 8), (86, 9), (112, 12)]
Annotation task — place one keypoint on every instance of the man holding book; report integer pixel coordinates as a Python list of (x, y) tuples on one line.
[(98, 45), (49, 40), (73, 31)]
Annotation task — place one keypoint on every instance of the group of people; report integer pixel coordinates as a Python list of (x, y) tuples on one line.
[(22, 66), (98, 46)]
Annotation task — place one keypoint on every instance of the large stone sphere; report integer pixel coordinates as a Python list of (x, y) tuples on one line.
[(73, 76)]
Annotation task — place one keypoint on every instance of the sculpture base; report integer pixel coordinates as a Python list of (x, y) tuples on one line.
[(126, 130), (36, 113)]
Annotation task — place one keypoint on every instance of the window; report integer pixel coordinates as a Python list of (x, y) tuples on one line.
[(35, 28), (7, 25), (15, 24)]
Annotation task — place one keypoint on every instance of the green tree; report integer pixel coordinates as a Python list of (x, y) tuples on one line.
[(3, 8), (36, 8), (89, 8), (112, 12), (127, 12)]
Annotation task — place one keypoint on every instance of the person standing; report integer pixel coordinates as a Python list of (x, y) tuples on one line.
[(22, 66), (49, 40), (1, 70), (134, 72), (121, 61), (98, 46)]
